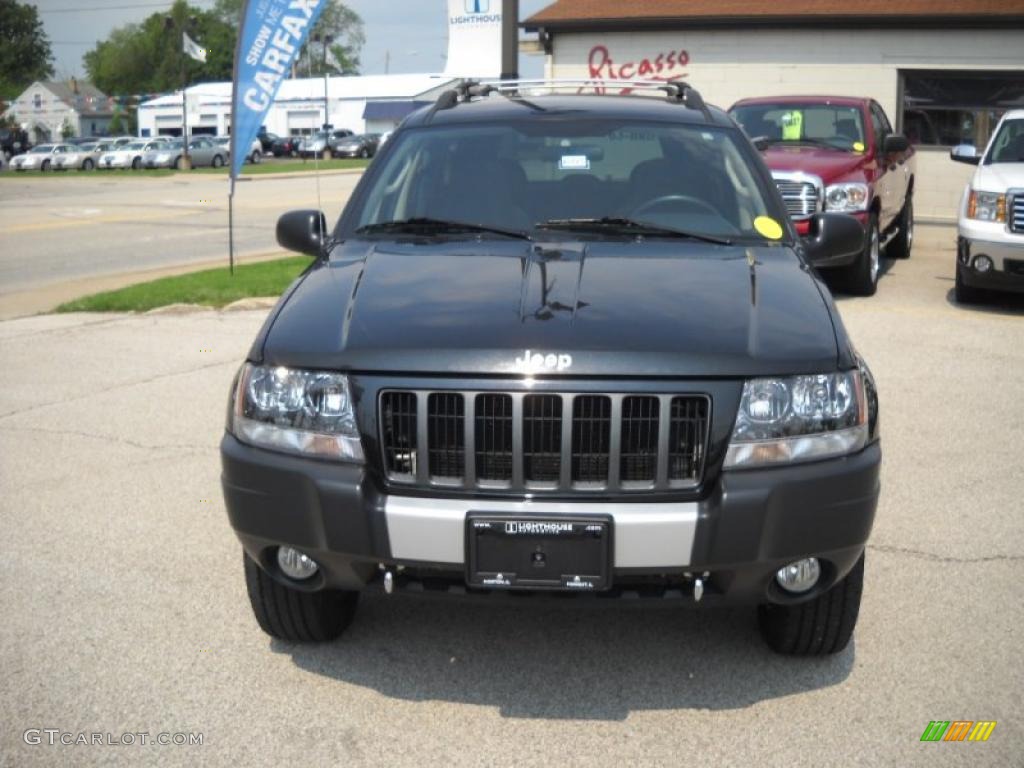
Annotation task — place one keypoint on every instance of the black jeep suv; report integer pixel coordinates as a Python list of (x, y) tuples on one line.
[(558, 343)]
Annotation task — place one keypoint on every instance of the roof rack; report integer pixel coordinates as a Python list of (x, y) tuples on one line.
[(677, 91)]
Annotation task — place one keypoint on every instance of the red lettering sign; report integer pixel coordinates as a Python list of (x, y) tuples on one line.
[(665, 66)]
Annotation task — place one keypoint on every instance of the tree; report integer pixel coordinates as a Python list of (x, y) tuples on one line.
[(67, 130), (339, 26), (147, 57), (25, 53), (116, 126)]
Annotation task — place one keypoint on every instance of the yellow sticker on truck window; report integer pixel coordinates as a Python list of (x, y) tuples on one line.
[(768, 228), (858, 146), (792, 125)]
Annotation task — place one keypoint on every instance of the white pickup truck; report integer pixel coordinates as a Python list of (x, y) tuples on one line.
[(990, 243)]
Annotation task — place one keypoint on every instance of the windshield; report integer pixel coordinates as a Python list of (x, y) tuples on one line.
[(1008, 145), (524, 175), (176, 144), (836, 126), (42, 149), (133, 146)]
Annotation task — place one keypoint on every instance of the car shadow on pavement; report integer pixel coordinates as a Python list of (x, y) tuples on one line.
[(563, 659), (996, 303)]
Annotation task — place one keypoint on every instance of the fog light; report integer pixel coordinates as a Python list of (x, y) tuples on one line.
[(294, 564), (799, 576), (982, 264)]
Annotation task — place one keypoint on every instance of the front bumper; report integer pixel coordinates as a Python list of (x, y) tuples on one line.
[(749, 524), (1007, 255)]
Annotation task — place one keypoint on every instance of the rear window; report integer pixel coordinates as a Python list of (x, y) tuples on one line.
[(520, 174)]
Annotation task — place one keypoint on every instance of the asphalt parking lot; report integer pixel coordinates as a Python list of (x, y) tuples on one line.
[(125, 609)]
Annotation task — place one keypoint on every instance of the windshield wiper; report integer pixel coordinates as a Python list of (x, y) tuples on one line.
[(427, 226), (625, 226), (764, 141)]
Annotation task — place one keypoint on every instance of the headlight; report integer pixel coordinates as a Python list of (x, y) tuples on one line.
[(297, 411), (846, 197), (986, 206), (800, 418)]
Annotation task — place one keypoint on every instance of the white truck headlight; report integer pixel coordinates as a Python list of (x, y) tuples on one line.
[(986, 206), (847, 197), (799, 418), (296, 411)]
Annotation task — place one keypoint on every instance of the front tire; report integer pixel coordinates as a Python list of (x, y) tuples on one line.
[(218, 161), (298, 617), (861, 277), (899, 247), (87, 165), (136, 163), (966, 294), (255, 159), (45, 166), (819, 627)]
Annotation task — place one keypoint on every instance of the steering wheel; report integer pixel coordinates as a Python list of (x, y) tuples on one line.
[(685, 200)]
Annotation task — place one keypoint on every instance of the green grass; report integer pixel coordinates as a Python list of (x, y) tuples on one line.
[(211, 287), (267, 167)]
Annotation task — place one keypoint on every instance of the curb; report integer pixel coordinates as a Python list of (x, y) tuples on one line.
[(301, 174)]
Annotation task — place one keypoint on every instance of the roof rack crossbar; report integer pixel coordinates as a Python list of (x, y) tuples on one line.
[(677, 91)]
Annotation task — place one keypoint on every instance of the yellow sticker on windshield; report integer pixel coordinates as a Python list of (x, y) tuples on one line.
[(768, 228), (858, 146)]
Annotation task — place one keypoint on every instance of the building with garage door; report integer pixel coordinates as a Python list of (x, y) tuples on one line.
[(370, 104), (943, 70)]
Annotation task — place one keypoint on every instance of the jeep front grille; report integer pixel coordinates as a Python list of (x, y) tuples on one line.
[(800, 197), (1017, 213), (543, 442)]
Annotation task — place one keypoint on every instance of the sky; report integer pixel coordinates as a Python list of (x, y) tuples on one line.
[(409, 34)]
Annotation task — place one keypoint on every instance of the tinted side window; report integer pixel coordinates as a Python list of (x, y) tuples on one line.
[(879, 125)]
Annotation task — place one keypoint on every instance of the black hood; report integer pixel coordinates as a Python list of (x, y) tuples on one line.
[(641, 308)]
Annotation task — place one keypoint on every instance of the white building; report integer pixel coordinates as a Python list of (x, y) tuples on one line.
[(46, 107), (370, 104), (943, 70)]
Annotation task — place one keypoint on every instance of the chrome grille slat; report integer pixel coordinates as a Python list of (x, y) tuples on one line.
[(800, 197), (1017, 213), (543, 441)]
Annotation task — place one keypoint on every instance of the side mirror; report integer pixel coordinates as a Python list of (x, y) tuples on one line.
[(302, 231), (895, 143), (833, 236), (965, 153)]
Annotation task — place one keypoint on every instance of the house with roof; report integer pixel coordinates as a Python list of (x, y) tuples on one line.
[(47, 106), (943, 70)]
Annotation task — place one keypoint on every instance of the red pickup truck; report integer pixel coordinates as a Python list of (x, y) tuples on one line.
[(832, 153)]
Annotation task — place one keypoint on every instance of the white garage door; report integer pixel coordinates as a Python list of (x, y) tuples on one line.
[(303, 122)]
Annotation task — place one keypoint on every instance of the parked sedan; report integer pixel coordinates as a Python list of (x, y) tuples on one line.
[(319, 142), (364, 145), (82, 157), (255, 153), (127, 155), (201, 150), (286, 146), (39, 158)]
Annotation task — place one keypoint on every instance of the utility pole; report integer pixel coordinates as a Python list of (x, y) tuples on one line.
[(179, 28), (510, 40)]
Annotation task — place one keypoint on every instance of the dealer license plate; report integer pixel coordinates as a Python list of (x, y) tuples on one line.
[(526, 552)]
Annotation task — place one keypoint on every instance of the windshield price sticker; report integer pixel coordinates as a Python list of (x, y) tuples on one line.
[(574, 163)]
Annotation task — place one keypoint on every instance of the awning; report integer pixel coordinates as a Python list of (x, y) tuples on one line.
[(391, 110)]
